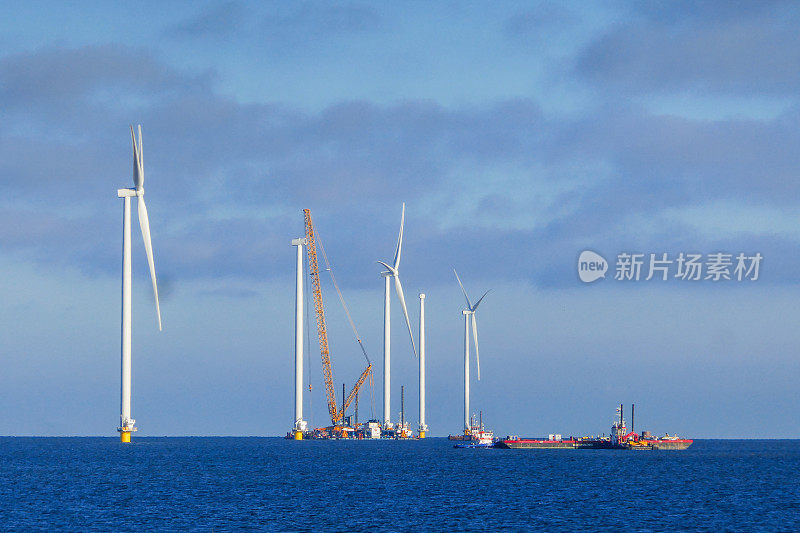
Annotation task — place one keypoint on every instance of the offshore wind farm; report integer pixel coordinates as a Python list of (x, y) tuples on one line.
[(344, 426), (399, 267), (344, 416)]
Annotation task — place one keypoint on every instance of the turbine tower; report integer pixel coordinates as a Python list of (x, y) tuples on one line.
[(299, 424), (126, 426), (469, 320), (423, 427), (392, 272)]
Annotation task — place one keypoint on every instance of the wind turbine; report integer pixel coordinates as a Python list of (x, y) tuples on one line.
[(469, 319), (126, 422), (392, 272)]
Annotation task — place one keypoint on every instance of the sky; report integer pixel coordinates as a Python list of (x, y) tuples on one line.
[(518, 135)]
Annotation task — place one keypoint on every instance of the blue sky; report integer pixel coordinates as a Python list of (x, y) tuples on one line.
[(518, 136)]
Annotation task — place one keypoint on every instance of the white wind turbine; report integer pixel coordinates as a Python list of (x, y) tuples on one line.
[(469, 318), (126, 422), (392, 272)]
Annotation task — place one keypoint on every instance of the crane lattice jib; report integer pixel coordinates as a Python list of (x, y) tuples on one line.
[(319, 310), (356, 387)]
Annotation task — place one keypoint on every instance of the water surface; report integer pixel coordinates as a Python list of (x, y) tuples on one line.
[(93, 484)]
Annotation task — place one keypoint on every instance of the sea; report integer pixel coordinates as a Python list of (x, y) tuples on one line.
[(273, 484)]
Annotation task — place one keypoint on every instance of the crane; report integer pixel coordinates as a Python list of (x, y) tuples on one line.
[(322, 332)]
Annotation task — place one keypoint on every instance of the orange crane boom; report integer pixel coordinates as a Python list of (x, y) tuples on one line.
[(322, 332), (357, 386)]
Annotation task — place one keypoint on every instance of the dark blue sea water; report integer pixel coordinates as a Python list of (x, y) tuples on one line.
[(88, 484)]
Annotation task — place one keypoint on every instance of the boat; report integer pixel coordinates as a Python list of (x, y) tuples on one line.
[(553, 443), (476, 437), (620, 439), (666, 442), (474, 445)]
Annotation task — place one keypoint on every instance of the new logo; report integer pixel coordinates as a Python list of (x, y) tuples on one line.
[(591, 266)]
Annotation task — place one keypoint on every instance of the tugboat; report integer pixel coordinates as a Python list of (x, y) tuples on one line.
[(476, 437), (621, 438)]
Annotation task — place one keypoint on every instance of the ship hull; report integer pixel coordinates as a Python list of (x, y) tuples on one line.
[(680, 444), (540, 444), (537, 444)]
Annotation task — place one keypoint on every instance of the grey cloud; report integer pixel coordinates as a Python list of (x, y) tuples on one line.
[(226, 181), (215, 20), (538, 20), (310, 20), (55, 73), (282, 28), (720, 48)]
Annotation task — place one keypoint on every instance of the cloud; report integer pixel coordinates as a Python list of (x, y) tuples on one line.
[(226, 180), (215, 20), (719, 48), (539, 20), (280, 25), (56, 75), (323, 19)]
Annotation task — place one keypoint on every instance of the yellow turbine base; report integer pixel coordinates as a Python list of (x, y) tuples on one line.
[(124, 436), (422, 434), (298, 435)]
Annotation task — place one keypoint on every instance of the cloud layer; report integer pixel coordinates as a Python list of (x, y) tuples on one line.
[(516, 137)]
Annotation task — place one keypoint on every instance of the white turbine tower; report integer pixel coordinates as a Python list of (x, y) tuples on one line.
[(299, 424), (126, 422), (392, 272), (469, 319), (423, 427)]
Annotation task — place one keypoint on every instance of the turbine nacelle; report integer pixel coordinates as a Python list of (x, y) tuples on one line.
[(390, 271)]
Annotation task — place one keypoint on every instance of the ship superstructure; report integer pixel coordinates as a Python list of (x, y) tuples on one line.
[(477, 436)]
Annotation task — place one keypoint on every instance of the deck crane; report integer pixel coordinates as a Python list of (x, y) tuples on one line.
[(337, 416)]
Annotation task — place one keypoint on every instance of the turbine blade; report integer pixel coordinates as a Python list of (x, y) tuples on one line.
[(144, 223), (481, 298), (475, 336), (399, 289), (141, 159), (137, 167), (400, 238), (469, 305)]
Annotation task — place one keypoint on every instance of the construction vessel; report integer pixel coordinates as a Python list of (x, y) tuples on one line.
[(619, 439), (341, 426)]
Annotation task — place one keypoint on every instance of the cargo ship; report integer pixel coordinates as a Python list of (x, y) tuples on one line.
[(620, 439)]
